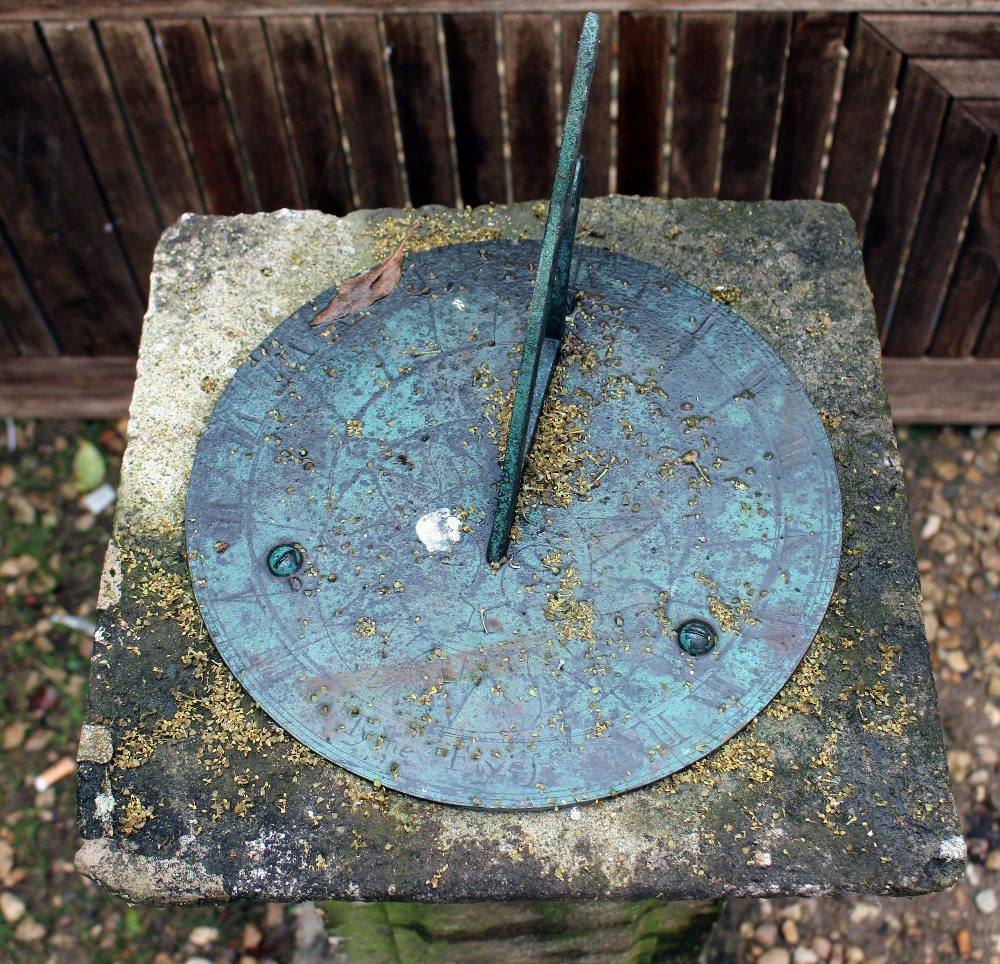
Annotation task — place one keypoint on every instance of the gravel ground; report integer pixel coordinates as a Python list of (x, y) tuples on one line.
[(51, 547)]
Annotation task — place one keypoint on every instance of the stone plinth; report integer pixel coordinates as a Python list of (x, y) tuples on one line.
[(188, 792)]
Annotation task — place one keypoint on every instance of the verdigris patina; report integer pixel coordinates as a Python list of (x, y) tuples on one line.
[(840, 785), (677, 542)]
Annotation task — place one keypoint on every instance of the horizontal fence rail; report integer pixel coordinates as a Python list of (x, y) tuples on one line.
[(115, 120), (77, 9)]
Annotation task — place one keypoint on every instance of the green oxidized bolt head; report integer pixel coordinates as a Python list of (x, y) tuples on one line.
[(285, 560), (696, 637)]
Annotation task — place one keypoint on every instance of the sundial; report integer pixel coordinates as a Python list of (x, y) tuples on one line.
[(542, 525)]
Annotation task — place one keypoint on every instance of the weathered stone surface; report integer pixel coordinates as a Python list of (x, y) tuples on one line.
[(142, 879), (95, 744), (841, 785)]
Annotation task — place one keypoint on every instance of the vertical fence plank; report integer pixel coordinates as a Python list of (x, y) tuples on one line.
[(138, 78), (644, 58), (966, 320), (699, 90), (53, 209), (813, 64), (869, 83), (360, 74), (474, 85), (529, 46), (26, 328), (418, 82), (260, 126), (189, 60), (989, 342), (946, 202), (754, 91), (312, 116), (976, 275), (7, 347), (905, 169), (596, 143), (87, 87)]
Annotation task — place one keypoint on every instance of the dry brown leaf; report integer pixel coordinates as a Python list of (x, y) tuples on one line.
[(366, 288)]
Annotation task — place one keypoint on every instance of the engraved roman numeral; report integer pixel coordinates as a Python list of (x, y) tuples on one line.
[(756, 380), (271, 366), (796, 451), (306, 348), (242, 430)]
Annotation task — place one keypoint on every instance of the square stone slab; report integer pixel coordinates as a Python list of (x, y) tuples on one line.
[(188, 792)]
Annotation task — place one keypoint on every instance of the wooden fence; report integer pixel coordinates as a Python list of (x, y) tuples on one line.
[(115, 119)]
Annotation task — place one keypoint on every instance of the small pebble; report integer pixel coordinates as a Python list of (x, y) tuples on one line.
[(805, 955), (6, 858), (38, 740), (960, 762), (29, 931), (274, 915), (790, 932), (18, 566), (766, 934), (956, 661), (822, 947), (776, 955), (203, 936), (963, 942), (986, 902), (932, 526), (22, 510), (251, 937), (13, 734), (12, 907), (946, 471), (85, 522)]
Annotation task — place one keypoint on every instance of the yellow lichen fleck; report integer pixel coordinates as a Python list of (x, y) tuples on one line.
[(137, 815), (365, 626), (575, 617)]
